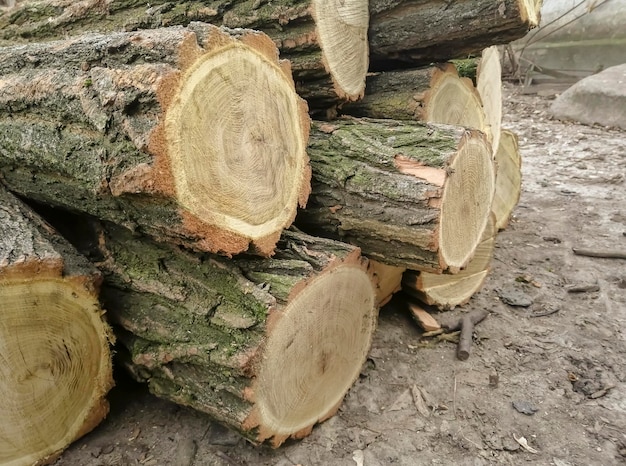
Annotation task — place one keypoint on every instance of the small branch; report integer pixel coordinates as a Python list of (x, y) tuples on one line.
[(606, 254), (466, 325)]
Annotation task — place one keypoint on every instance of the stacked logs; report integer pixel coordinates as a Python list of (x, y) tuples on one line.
[(176, 155)]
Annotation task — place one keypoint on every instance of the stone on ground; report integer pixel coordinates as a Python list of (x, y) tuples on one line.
[(597, 99)]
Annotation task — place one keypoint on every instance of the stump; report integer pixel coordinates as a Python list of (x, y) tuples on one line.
[(192, 135), (408, 194), (54, 344), (268, 347)]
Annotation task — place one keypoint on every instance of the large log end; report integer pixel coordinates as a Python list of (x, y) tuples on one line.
[(56, 368)]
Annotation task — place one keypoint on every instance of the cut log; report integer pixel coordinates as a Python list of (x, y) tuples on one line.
[(388, 280), (408, 194), (326, 40), (268, 347), (193, 135), (448, 291), (54, 344), (434, 94), (508, 179), (489, 86), (415, 32)]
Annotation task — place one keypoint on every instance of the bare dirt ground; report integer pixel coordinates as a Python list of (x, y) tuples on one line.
[(568, 367)]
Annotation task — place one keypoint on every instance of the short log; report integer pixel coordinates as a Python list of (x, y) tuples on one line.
[(54, 343), (267, 347), (192, 135), (416, 33), (409, 194)]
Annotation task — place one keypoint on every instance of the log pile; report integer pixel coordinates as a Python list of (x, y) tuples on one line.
[(252, 196)]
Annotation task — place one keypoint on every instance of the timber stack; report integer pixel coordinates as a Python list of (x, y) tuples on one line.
[(253, 180)]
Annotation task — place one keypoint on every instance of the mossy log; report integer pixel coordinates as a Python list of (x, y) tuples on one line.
[(448, 291), (434, 94), (508, 178), (416, 32), (325, 40), (408, 194), (54, 343), (192, 135), (268, 347)]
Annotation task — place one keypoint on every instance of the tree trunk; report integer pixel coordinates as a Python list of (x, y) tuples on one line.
[(508, 179), (489, 86), (419, 32), (408, 194), (326, 40), (192, 135), (54, 344), (448, 291), (268, 347), (435, 95)]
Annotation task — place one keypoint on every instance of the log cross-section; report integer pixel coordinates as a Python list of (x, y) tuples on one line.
[(268, 347), (193, 135), (55, 362), (325, 40), (409, 194)]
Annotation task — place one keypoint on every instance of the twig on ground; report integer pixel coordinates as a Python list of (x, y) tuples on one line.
[(605, 253), (466, 326)]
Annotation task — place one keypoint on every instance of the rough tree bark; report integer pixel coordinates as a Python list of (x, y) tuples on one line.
[(508, 179), (268, 347), (448, 291), (326, 40), (420, 32), (54, 344), (193, 135), (434, 94), (408, 194)]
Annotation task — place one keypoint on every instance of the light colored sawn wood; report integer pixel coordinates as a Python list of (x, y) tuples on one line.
[(489, 86), (508, 178), (55, 362), (448, 291)]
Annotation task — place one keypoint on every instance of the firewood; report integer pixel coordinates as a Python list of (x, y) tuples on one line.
[(508, 178), (192, 135), (446, 291), (325, 40), (408, 194), (388, 280), (56, 361), (267, 347), (489, 87), (419, 33), (434, 94)]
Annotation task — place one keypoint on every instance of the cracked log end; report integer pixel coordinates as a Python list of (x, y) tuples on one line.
[(236, 134), (466, 201), (54, 345), (489, 86), (342, 34), (315, 350)]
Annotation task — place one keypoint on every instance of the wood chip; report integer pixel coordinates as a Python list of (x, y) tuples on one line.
[(425, 320)]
